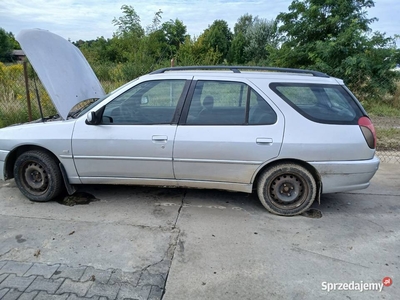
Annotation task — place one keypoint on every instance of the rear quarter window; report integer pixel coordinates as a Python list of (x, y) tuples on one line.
[(330, 104)]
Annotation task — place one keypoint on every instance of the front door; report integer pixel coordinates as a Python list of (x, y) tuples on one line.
[(135, 138)]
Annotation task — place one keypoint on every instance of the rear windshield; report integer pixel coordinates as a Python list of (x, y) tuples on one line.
[(330, 104)]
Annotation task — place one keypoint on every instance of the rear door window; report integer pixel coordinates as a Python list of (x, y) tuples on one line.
[(228, 103), (330, 104)]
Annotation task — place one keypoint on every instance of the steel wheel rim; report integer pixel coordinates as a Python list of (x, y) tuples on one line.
[(287, 191), (35, 178)]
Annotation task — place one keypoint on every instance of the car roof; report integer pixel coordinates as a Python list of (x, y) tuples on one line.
[(250, 72), (237, 69)]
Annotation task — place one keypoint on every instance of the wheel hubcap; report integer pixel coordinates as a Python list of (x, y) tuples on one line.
[(35, 177), (287, 190)]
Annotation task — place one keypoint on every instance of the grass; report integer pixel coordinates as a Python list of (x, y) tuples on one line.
[(13, 103), (388, 105), (381, 109), (388, 139)]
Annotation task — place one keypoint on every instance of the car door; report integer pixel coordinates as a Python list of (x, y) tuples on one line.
[(227, 132), (135, 136)]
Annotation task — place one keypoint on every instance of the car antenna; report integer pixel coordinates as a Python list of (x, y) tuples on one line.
[(37, 95)]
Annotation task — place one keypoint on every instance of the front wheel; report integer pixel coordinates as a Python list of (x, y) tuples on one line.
[(287, 189), (38, 176)]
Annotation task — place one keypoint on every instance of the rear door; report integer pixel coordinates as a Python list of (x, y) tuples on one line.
[(227, 130)]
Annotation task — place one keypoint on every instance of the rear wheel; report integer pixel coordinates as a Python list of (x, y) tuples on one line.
[(38, 176), (287, 189)]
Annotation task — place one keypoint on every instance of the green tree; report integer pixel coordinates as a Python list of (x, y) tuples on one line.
[(195, 52), (14, 43), (175, 34), (129, 36), (6, 46), (243, 24), (239, 41), (98, 50), (129, 23), (334, 36), (316, 20), (260, 36), (218, 37), (236, 52), (252, 38), (156, 22)]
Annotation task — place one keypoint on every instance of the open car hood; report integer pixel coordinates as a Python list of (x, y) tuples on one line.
[(61, 67)]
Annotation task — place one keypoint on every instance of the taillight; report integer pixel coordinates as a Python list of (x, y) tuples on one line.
[(368, 130)]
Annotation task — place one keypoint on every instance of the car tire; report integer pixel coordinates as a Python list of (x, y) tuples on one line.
[(38, 176), (287, 189)]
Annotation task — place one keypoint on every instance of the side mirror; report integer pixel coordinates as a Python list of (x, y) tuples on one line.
[(91, 118)]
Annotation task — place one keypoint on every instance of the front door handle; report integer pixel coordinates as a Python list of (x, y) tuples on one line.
[(160, 138), (264, 141)]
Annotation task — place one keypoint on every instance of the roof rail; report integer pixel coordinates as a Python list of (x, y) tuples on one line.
[(236, 69)]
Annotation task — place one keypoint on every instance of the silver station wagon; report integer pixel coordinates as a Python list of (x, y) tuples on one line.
[(289, 135)]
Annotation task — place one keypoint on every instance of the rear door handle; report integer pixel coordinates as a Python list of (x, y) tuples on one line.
[(264, 141), (160, 138)]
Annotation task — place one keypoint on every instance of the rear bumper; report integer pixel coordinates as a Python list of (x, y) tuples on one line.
[(341, 176)]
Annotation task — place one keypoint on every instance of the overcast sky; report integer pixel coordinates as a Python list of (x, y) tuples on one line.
[(89, 19)]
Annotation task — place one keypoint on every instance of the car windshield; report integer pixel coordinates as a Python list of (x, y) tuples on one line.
[(86, 105)]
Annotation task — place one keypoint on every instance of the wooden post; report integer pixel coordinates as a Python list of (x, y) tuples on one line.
[(28, 97)]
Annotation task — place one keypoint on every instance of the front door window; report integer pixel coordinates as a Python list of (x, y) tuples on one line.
[(150, 102)]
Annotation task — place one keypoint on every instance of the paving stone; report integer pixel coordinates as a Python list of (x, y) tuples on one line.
[(3, 276), (99, 275), (3, 292), (45, 296), (16, 282), (15, 267), (12, 294), (28, 296), (119, 276), (151, 279), (42, 269), (69, 272), (155, 293), (75, 297), (45, 284), (106, 290), (76, 287), (128, 291)]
